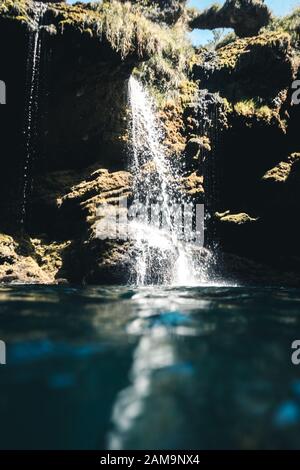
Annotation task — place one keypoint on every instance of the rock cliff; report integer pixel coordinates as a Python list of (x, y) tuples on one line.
[(228, 117)]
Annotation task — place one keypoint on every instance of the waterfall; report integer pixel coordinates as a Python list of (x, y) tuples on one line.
[(162, 227), (32, 101)]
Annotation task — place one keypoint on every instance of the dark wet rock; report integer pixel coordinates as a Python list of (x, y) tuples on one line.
[(95, 261), (253, 169), (246, 271), (206, 112)]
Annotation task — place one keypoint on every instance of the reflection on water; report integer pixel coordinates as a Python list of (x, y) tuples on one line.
[(120, 368)]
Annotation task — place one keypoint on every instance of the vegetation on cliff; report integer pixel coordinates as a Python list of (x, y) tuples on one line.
[(122, 25), (252, 74), (130, 28), (161, 11), (289, 24)]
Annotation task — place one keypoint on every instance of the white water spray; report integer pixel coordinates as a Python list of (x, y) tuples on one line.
[(161, 255), (33, 74)]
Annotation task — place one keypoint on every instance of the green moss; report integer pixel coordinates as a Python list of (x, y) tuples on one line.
[(249, 107), (252, 109), (289, 24), (169, 67), (172, 109), (123, 25), (18, 10), (228, 56)]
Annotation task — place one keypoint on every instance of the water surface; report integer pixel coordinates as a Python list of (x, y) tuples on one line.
[(125, 368)]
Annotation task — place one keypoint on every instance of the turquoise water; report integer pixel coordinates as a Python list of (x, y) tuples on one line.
[(186, 368)]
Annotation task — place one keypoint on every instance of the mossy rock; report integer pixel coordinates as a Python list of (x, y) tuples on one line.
[(250, 68), (284, 170), (236, 219), (21, 262), (122, 25)]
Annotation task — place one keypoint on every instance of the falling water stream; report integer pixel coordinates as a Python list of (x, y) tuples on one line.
[(164, 255), (33, 78)]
